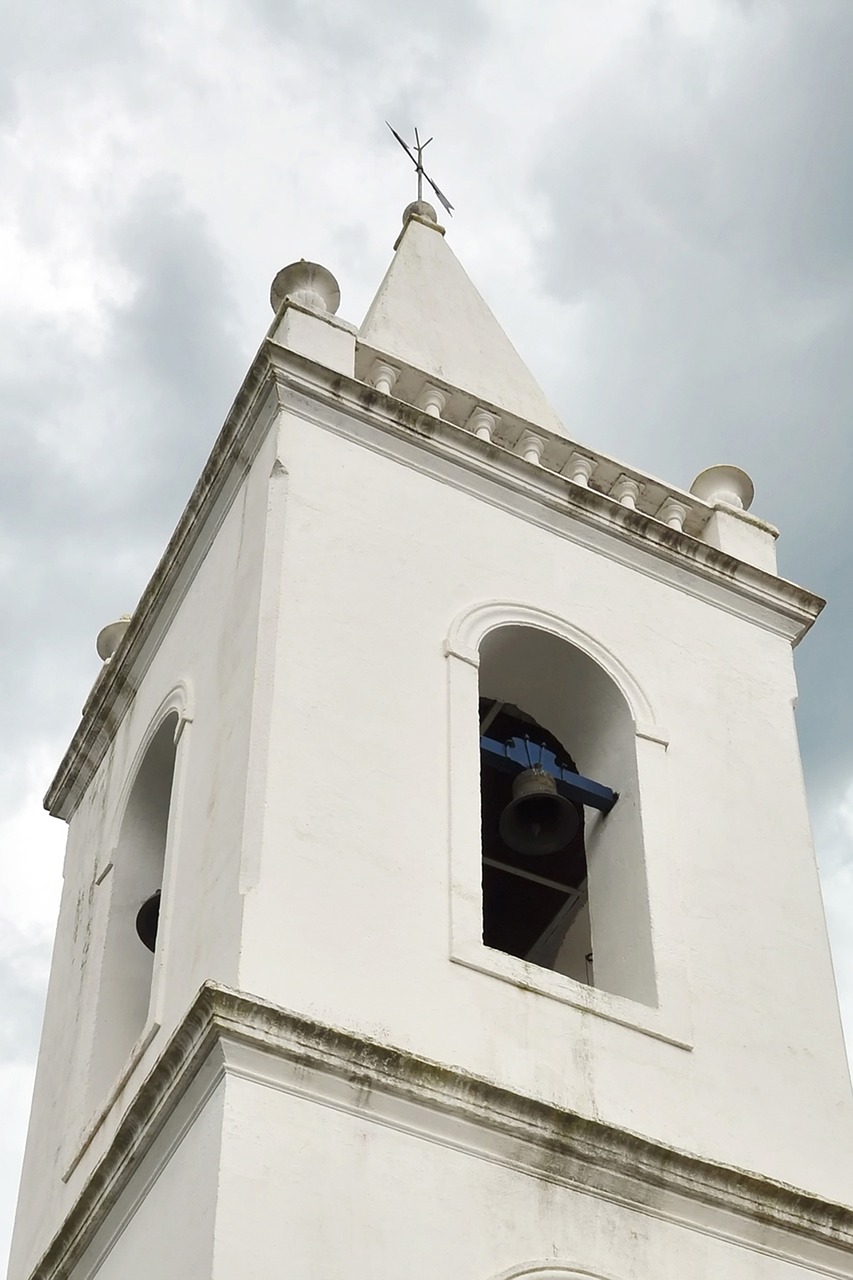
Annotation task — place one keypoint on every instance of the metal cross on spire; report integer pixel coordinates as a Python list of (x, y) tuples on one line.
[(417, 160)]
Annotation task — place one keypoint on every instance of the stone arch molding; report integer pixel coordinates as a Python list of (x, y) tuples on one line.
[(552, 1270), (470, 628), (179, 700)]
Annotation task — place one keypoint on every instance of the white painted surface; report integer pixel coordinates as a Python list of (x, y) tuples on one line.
[(316, 334), (346, 837), (322, 839), (724, 483), (210, 645), (273, 1169), (164, 1225), (742, 536), (371, 1200), (308, 284), (378, 561), (427, 314)]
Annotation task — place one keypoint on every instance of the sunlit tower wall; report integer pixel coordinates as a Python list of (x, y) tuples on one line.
[(334, 992)]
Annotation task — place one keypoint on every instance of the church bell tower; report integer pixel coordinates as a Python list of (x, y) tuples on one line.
[(439, 896)]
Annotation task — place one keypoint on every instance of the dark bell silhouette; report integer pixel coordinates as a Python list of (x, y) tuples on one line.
[(538, 820), (147, 920)]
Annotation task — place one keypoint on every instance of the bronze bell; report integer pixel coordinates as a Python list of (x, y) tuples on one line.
[(147, 920), (538, 820)]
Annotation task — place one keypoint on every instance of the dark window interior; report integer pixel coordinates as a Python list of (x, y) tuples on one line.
[(526, 900)]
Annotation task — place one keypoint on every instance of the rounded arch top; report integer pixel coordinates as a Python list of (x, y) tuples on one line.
[(177, 702), (551, 1270), (472, 625)]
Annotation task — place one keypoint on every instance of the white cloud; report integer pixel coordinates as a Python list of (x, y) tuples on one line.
[(33, 845)]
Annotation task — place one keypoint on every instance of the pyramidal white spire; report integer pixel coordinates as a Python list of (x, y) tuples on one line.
[(428, 315)]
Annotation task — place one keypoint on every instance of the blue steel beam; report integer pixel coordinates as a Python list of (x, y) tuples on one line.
[(519, 754)]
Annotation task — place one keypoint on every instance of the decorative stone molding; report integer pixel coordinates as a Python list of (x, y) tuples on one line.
[(111, 636), (673, 514), (579, 469), (179, 700), (432, 400), (626, 490), (226, 1030), (531, 447), (724, 483), (482, 424), (470, 628), (383, 376), (421, 209), (551, 1270), (340, 403), (307, 283)]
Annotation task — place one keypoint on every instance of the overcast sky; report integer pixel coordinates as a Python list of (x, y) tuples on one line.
[(656, 199)]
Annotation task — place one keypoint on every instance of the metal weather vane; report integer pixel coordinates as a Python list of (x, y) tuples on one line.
[(416, 158)]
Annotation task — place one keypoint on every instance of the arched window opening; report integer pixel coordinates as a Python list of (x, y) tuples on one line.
[(132, 927), (563, 871), (534, 901)]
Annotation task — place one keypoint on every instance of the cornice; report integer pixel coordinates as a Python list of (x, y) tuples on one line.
[(250, 1038), (512, 481), (116, 683), (282, 379)]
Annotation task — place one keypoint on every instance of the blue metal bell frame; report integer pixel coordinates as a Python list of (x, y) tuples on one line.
[(513, 757)]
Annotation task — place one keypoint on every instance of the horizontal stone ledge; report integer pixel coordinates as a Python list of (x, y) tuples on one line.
[(536, 1137)]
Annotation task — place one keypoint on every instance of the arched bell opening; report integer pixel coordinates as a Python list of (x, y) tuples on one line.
[(132, 928), (563, 866), (534, 858)]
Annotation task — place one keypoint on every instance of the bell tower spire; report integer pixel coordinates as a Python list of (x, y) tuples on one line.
[(439, 892)]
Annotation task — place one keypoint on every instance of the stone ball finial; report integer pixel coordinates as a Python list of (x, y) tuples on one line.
[(110, 637), (724, 483), (422, 209), (308, 283)]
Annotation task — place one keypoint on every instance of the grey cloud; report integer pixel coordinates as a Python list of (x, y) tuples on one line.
[(397, 52), (79, 43), (177, 334), (25, 960), (367, 27), (710, 246), (81, 537)]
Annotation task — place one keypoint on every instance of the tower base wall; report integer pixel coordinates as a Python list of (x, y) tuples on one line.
[(264, 1142)]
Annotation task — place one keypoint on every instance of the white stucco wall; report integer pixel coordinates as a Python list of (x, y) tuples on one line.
[(264, 1171), (311, 1190), (313, 859), (349, 920), (164, 1224), (207, 656)]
